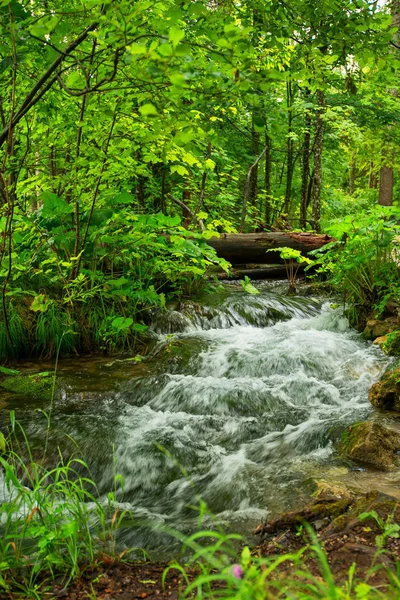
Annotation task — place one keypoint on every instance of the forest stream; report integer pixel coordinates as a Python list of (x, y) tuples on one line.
[(240, 405)]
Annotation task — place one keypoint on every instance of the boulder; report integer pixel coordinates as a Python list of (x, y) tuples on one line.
[(372, 444), (385, 394), (381, 341), (376, 328)]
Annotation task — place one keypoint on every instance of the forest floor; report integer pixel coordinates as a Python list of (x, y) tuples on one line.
[(350, 529), (370, 542)]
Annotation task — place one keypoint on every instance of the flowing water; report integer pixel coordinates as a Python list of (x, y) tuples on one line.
[(240, 406)]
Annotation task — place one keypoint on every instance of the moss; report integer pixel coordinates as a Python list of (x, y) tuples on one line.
[(29, 385), (370, 443), (385, 393)]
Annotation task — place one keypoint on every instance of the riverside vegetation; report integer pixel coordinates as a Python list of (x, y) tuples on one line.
[(130, 134)]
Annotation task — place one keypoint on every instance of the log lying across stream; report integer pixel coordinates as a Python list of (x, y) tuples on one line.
[(246, 248)]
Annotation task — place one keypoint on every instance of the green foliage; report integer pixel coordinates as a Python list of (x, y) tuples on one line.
[(363, 262), (249, 287), (54, 522), (293, 259), (389, 528)]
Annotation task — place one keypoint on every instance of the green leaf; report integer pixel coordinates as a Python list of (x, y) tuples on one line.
[(53, 206), (40, 303), (9, 371), (181, 170), (249, 287), (148, 110), (121, 323), (2, 442), (175, 35)]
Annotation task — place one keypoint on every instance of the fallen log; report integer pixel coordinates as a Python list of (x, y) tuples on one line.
[(259, 272), (244, 248)]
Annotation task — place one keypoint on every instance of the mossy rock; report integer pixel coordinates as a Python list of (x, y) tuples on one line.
[(378, 328), (385, 394), (29, 385), (371, 444)]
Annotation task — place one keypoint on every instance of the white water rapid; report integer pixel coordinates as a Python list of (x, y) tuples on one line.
[(245, 401)]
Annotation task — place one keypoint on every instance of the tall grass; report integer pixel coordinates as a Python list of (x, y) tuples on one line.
[(215, 570), (53, 520), (54, 327), (14, 347)]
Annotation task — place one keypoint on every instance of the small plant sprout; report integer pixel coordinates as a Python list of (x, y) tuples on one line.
[(293, 260)]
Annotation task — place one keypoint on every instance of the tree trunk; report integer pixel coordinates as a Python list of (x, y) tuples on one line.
[(386, 186), (352, 179), (372, 179), (255, 150), (268, 165), (305, 167), (248, 248), (317, 183), (289, 146), (386, 173)]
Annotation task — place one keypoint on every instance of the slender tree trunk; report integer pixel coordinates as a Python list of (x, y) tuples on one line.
[(305, 171), (289, 146), (352, 179), (317, 183), (255, 150), (203, 181), (268, 165), (372, 179), (247, 190), (386, 186), (163, 201)]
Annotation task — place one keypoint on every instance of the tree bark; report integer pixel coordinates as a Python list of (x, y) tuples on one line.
[(268, 165), (289, 145), (305, 174), (247, 248), (352, 179), (386, 186), (317, 183), (255, 149)]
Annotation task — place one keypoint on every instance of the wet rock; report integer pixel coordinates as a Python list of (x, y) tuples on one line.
[(381, 341), (385, 394), (30, 385), (376, 328), (372, 444)]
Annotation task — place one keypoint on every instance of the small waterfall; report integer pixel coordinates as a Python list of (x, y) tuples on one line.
[(239, 408)]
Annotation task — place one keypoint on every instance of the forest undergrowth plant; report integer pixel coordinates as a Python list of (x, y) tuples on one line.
[(54, 521), (131, 263), (216, 570), (293, 260), (363, 263)]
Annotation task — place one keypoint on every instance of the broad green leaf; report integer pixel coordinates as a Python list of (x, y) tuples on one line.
[(176, 35), (40, 303), (53, 206), (148, 110)]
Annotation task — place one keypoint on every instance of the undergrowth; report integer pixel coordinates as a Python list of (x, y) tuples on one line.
[(363, 263)]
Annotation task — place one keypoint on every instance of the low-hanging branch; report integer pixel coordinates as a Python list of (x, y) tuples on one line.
[(188, 210)]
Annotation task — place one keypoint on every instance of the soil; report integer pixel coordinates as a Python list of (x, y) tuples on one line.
[(118, 581), (345, 538)]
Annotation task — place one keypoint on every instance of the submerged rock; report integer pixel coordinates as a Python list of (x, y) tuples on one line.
[(372, 444), (385, 393)]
